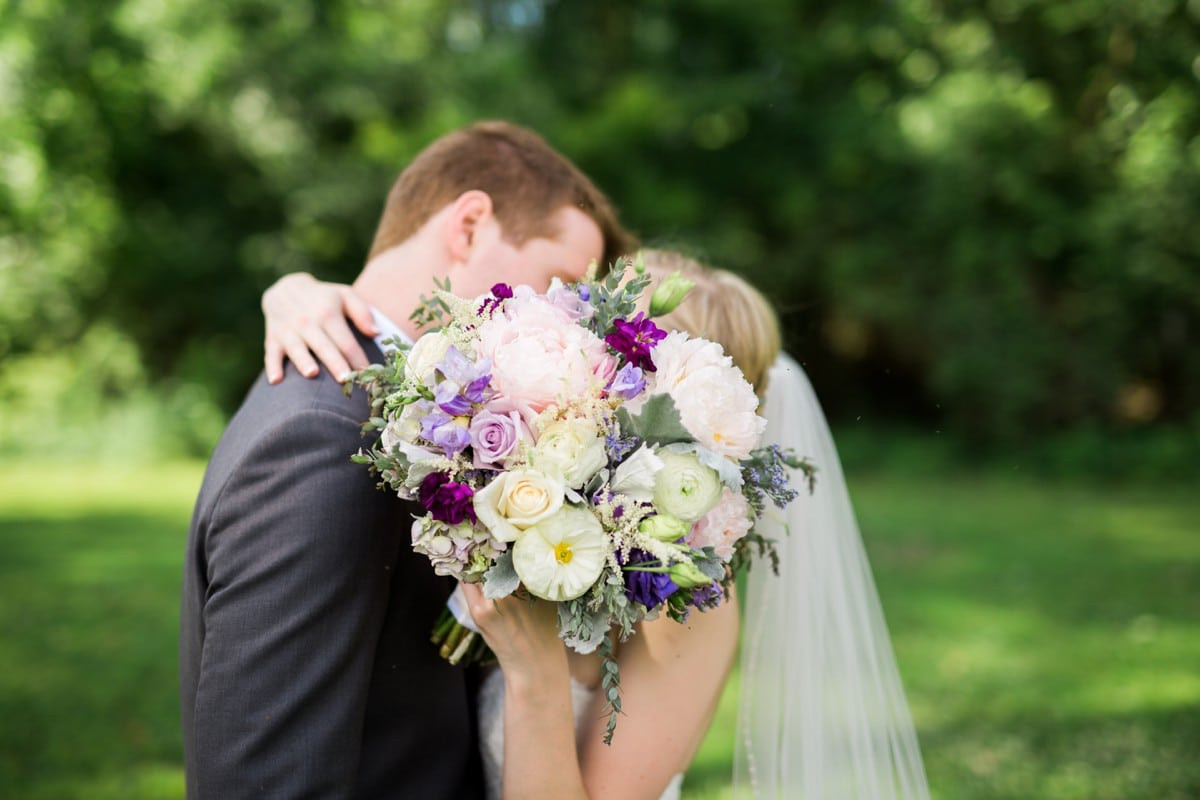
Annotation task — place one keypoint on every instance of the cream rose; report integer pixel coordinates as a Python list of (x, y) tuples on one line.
[(425, 354), (517, 499), (573, 448)]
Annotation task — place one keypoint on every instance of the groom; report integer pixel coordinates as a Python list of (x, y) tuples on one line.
[(305, 661)]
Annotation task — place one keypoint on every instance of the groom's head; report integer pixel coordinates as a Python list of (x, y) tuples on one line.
[(498, 195)]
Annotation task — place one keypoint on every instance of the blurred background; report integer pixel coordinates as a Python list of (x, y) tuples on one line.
[(978, 221)]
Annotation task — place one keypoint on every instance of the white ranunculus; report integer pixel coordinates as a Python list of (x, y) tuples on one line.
[(635, 476), (425, 354), (685, 488), (573, 448), (517, 499), (561, 557)]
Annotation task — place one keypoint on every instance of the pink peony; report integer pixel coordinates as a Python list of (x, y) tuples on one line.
[(721, 527), (541, 357)]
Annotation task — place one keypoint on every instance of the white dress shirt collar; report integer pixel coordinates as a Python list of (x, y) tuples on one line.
[(387, 330)]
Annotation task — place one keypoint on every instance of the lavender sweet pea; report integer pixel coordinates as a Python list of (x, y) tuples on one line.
[(445, 431), (495, 436), (464, 382), (627, 383)]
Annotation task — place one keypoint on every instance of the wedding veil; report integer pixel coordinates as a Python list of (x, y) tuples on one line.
[(822, 714)]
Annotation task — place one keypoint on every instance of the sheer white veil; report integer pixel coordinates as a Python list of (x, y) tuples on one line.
[(822, 712)]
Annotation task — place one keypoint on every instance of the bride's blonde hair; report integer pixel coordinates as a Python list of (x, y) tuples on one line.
[(724, 308)]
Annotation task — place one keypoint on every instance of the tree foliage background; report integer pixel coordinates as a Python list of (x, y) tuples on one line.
[(978, 217)]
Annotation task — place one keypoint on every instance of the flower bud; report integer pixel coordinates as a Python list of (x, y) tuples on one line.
[(669, 294), (687, 575), (664, 527)]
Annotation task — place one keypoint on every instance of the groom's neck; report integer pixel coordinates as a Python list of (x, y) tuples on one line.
[(395, 280)]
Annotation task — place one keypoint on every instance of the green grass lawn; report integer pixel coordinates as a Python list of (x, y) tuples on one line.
[(1049, 635)]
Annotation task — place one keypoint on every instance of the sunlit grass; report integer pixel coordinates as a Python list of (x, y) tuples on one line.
[(1048, 634)]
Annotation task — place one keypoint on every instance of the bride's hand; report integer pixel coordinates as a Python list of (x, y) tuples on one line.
[(305, 317), (522, 634)]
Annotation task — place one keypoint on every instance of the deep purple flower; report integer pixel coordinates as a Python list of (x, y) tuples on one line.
[(627, 383), (634, 339), (500, 292), (648, 588), (447, 501)]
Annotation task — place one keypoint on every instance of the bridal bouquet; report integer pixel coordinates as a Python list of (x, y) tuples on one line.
[(565, 447)]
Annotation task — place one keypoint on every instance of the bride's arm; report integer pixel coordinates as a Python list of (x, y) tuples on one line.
[(305, 316), (671, 679)]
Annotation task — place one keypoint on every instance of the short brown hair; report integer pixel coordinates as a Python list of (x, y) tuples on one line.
[(724, 308), (527, 180)]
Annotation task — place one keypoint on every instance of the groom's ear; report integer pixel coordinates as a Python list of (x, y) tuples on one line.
[(467, 214)]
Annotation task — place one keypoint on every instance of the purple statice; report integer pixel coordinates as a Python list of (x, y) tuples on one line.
[(627, 383), (764, 477), (648, 588), (705, 597), (635, 338), (500, 293), (616, 446), (447, 501)]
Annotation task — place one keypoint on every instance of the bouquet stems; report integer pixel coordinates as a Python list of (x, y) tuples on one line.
[(457, 643)]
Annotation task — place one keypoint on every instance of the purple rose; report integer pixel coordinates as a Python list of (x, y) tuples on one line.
[(648, 588), (634, 339), (628, 382), (493, 436), (447, 501)]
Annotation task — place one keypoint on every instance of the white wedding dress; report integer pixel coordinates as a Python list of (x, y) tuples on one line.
[(491, 731)]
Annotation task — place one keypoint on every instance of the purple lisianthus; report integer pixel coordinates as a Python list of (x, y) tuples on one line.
[(494, 436), (634, 339), (648, 588), (627, 383), (447, 501)]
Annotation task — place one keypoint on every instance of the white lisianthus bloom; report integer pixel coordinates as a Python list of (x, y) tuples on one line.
[(573, 447), (517, 499), (635, 476), (425, 354), (561, 557), (685, 488)]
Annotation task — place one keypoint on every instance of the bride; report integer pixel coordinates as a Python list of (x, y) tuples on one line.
[(822, 712)]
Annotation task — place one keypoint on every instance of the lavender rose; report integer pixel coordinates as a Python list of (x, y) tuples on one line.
[(495, 436)]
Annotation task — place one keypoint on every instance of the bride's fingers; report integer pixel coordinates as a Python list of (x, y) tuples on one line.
[(296, 351), (338, 335), (358, 310), (273, 360), (315, 338)]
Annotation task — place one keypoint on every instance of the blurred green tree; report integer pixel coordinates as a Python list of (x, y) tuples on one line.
[(979, 215)]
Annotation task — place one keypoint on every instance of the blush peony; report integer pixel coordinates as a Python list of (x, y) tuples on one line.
[(543, 358)]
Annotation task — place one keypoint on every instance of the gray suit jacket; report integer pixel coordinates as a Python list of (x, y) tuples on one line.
[(305, 663)]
